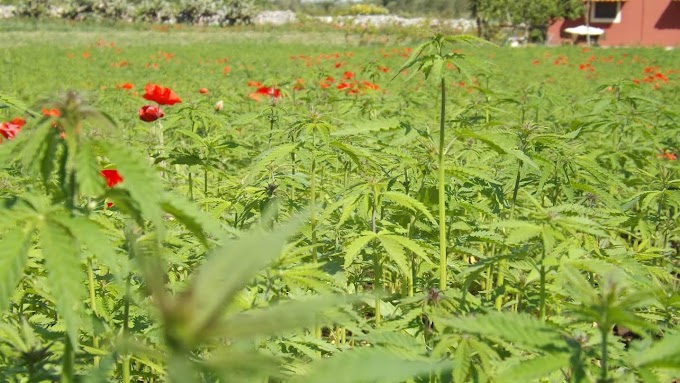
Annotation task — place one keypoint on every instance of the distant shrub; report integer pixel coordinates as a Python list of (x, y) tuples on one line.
[(153, 11), (367, 9), (222, 12), (192, 11), (239, 12), (33, 8)]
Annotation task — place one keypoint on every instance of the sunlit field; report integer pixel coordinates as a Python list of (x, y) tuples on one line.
[(193, 204)]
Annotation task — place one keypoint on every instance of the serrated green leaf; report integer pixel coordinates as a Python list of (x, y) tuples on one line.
[(532, 369), (395, 252), (199, 223), (355, 247), (522, 329), (413, 58), (409, 203), (90, 182), (522, 235), (436, 70), (62, 261), (367, 365), (265, 159), (462, 361), (91, 235), (413, 246), (33, 150), (229, 268), (140, 180), (282, 317), (368, 127), (13, 102), (662, 354), (13, 258)]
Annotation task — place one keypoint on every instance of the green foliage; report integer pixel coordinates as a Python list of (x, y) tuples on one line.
[(367, 9), (535, 15)]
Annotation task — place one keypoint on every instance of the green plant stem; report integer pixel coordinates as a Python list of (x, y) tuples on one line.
[(411, 278), (126, 319), (271, 128), (205, 182), (312, 198), (542, 294), (377, 263), (503, 264), (191, 186), (442, 194), (605, 354), (312, 187), (68, 361), (292, 170), (158, 127), (93, 306)]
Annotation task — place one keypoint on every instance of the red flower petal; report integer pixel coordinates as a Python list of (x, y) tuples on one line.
[(160, 95), (150, 113), (112, 177)]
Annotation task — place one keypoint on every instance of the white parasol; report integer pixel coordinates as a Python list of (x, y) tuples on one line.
[(584, 31)]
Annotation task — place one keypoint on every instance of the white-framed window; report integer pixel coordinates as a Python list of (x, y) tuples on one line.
[(605, 11)]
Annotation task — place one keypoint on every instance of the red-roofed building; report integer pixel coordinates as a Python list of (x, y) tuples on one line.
[(628, 22)]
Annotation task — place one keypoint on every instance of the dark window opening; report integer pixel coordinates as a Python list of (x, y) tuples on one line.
[(608, 10)]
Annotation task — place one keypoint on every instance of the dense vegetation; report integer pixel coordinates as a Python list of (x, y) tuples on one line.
[(189, 205)]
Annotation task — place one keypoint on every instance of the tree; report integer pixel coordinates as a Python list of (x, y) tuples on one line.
[(533, 15), (488, 14), (536, 15)]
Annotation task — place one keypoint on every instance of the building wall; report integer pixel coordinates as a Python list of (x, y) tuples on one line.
[(643, 22)]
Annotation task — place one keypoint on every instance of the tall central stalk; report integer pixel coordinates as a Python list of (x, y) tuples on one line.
[(93, 305), (377, 261), (604, 333), (312, 202), (442, 194)]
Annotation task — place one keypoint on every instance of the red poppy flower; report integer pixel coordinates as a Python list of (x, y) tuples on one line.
[(343, 85), (661, 76), (10, 129), (18, 121), (160, 95), (112, 176), (667, 155), (370, 85), (348, 75), (51, 112), (203, 90), (125, 85), (268, 91), (150, 113)]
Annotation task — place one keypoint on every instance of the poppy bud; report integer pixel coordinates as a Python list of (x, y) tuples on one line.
[(219, 105), (150, 113), (203, 90)]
